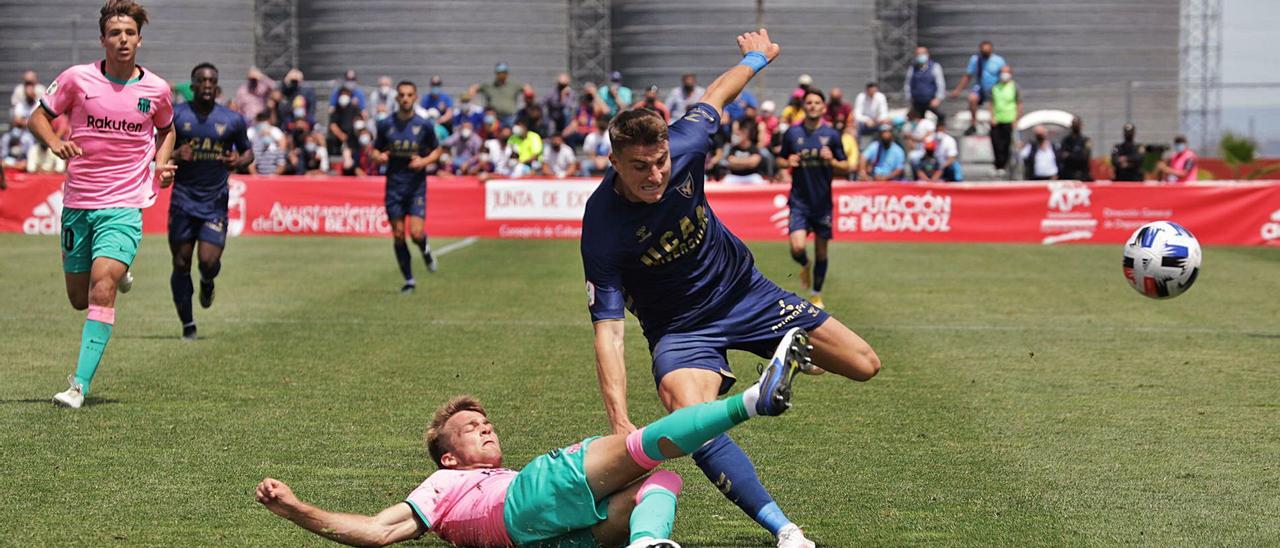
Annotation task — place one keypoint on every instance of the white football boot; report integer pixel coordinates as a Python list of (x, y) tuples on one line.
[(647, 542), (792, 537), (72, 397)]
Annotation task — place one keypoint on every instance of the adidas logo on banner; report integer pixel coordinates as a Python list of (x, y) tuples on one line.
[(46, 217)]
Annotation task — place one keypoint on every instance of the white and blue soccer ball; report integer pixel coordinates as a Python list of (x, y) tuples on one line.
[(1161, 260)]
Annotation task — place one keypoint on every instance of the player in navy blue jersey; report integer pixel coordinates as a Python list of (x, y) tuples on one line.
[(212, 141), (651, 244), (814, 153), (407, 144)]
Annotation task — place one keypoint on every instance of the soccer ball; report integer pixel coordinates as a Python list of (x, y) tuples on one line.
[(1161, 260)]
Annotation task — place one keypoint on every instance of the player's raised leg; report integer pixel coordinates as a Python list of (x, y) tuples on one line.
[(839, 350), (105, 274), (180, 280), (419, 235)]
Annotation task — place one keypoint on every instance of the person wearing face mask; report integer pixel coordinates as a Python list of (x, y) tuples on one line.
[(925, 85), (984, 72), (650, 101), (342, 138), (559, 102), (464, 148), (468, 111), (251, 96), (528, 148), (1006, 109), (884, 159), (1074, 154), (615, 95), (1126, 157), (838, 111), (382, 102), (490, 124), (268, 147), (1040, 157), (1181, 168), (298, 101), (16, 144), (680, 99), (442, 102), (351, 84)]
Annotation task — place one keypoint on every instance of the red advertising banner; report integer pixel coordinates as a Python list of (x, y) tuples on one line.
[(1241, 213)]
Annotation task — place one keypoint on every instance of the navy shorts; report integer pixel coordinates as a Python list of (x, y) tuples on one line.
[(406, 199), (981, 93), (756, 324), (817, 222), (184, 227)]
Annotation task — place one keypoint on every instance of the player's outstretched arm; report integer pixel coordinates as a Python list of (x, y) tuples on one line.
[(611, 369), (395, 524), (757, 51)]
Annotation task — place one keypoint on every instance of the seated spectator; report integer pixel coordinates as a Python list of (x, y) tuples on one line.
[(769, 122), (269, 146), (500, 156), (793, 113), (743, 159), (559, 103), (29, 78), (310, 158), (870, 110), (528, 147), (442, 103), (532, 117), (27, 103), (1075, 152), (849, 140), (464, 148), (558, 159), (1181, 168), (251, 96), (651, 102), (927, 168), (948, 153), (342, 138), (838, 111), (685, 96), (735, 109), (365, 160), (590, 109), (1040, 157), (596, 149), (298, 100), (803, 83), (16, 144), (490, 124), (1127, 157), (382, 102), (615, 95), (883, 159), (468, 111), (352, 86)]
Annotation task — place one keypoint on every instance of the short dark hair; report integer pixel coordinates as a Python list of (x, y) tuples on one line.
[(121, 8), (1180, 139), (639, 126), (407, 83), (204, 65), (435, 438), (815, 91), (872, 85)]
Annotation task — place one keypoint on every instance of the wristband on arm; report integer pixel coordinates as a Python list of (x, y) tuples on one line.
[(755, 60)]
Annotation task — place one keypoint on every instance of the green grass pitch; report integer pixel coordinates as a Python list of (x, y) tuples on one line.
[(1028, 396)]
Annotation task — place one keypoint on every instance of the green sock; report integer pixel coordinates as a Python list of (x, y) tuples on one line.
[(693, 426), (92, 343), (654, 516)]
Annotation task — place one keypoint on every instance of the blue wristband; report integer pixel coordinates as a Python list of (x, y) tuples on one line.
[(755, 60)]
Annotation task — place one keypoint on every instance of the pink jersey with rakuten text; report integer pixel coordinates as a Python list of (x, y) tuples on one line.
[(114, 125)]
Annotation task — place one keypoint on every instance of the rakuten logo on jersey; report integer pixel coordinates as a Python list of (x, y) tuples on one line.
[(107, 124), (889, 213), (46, 218), (1271, 230)]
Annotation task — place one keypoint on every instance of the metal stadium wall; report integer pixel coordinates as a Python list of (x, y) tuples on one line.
[(1075, 56), (654, 42), (49, 35), (413, 39)]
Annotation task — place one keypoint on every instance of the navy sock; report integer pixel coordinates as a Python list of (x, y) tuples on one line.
[(423, 246), (731, 471), (180, 283), (800, 257), (402, 257), (209, 271), (819, 274)]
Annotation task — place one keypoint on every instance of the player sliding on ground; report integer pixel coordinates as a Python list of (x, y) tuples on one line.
[(597, 491), (213, 142), (652, 244), (121, 118), (407, 144)]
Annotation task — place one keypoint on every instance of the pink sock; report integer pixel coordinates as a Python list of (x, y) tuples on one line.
[(104, 314), (635, 447), (662, 479)]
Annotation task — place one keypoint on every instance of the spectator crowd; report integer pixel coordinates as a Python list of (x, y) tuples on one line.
[(503, 127)]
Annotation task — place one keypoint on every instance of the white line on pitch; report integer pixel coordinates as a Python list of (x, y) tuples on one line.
[(456, 245)]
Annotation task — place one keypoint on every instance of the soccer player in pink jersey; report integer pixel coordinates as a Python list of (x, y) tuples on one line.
[(121, 119), (595, 492)]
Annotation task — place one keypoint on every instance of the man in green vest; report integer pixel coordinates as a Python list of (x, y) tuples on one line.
[(1006, 109)]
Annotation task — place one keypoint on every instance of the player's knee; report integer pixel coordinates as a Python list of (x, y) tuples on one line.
[(419, 238), (79, 302), (181, 264), (798, 254), (866, 363), (102, 292)]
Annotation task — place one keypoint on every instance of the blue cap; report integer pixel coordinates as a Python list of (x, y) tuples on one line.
[(615, 76), (501, 67)]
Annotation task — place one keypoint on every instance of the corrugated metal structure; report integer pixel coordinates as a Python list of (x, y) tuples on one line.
[(1075, 56), (654, 42), (49, 35), (413, 39)]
